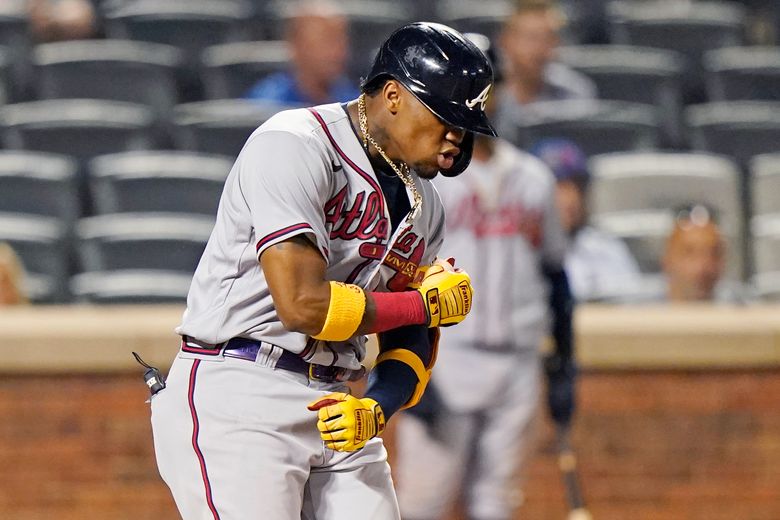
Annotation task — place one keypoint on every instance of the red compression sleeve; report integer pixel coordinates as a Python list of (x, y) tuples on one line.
[(397, 309)]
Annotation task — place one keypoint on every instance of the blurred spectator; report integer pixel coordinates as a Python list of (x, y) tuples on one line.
[(317, 33), (529, 42), (599, 265), (55, 20), (695, 258), (11, 277)]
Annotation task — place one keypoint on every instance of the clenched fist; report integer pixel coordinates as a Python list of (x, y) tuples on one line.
[(446, 292), (345, 422)]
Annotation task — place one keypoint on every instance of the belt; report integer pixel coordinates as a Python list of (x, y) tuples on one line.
[(248, 349)]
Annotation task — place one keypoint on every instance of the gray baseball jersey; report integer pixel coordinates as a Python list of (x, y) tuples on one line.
[(303, 172), (502, 224)]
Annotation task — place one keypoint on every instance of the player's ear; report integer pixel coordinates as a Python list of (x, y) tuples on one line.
[(391, 93)]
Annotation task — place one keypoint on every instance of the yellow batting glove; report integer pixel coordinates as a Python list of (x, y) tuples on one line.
[(447, 293), (345, 422)]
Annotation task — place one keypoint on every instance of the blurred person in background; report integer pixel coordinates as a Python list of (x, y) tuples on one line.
[(694, 261), (529, 40), (471, 434), (318, 35), (56, 20), (600, 266), (11, 277)]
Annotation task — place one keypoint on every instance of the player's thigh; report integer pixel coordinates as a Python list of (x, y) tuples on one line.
[(352, 486), (512, 415), (225, 447), (505, 439), (430, 460)]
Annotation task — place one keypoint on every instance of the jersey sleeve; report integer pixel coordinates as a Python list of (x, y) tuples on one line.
[(284, 181)]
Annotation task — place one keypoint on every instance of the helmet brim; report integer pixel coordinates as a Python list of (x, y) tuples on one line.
[(455, 114)]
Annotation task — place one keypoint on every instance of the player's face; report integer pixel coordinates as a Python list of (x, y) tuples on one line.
[(571, 206), (8, 292), (530, 40), (319, 45), (425, 142), (694, 261)]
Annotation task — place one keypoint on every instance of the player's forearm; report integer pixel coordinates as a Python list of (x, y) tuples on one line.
[(305, 313), (443, 297), (294, 270), (318, 310), (562, 307), (336, 311), (393, 382), (388, 311)]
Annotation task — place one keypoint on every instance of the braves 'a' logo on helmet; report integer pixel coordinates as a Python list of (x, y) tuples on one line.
[(481, 99)]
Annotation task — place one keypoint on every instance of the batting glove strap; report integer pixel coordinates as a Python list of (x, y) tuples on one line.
[(447, 294), (347, 423)]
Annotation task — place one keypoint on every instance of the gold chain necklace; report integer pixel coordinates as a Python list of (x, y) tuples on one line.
[(402, 171)]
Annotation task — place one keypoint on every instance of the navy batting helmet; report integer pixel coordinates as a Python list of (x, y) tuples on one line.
[(445, 71)]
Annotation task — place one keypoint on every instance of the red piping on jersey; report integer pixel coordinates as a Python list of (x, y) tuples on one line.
[(276, 234), (204, 351), (349, 161), (195, 446)]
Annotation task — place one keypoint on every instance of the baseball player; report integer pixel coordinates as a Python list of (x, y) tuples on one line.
[(328, 229), (467, 437)]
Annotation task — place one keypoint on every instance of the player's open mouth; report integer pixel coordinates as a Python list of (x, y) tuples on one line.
[(446, 160)]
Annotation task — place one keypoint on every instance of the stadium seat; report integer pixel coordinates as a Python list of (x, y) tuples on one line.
[(41, 243), (261, 23), (81, 128), (635, 74), (118, 70), (130, 286), (596, 126), (370, 23), (767, 286), (766, 243), (16, 40), (190, 25), (38, 183), (765, 176), (171, 181), (142, 241), (691, 28), (666, 181), (5, 77), (741, 129), (486, 17), (743, 73), (231, 69), (221, 126), (645, 232)]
